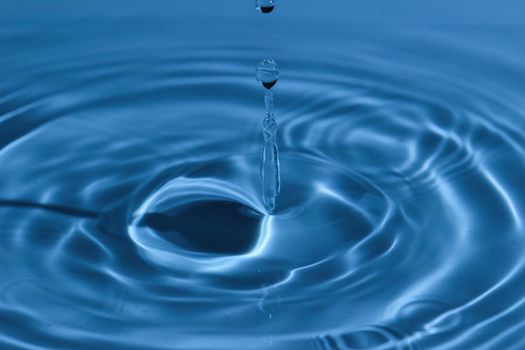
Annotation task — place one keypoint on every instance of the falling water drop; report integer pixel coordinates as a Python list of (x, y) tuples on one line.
[(265, 6), (267, 73)]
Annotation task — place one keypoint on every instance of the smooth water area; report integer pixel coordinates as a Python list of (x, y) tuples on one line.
[(130, 196)]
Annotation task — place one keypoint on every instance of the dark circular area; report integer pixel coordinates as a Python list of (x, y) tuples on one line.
[(219, 227), (266, 9)]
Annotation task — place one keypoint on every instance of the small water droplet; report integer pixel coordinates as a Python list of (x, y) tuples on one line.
[(265, 6), (267, 73)]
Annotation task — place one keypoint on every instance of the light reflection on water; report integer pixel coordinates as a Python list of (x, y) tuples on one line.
[(130, 214)]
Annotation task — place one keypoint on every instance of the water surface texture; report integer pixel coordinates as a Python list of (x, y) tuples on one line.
[(130, 147)]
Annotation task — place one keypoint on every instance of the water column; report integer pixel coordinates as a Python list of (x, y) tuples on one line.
[(267, 73)]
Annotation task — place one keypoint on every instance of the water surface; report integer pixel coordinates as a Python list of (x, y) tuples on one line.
[(130, 209)]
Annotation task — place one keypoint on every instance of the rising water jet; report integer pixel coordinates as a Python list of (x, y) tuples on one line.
[(267, 73)]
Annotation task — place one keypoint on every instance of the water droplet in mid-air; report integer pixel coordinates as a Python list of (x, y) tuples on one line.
[(267, 73), (265, 6)]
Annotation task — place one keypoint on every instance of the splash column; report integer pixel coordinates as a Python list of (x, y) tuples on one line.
[(267, 74)]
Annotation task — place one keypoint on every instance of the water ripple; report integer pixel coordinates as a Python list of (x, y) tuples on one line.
[(130, 215)]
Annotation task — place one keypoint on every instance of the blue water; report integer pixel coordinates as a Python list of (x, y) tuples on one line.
[(130, 148)]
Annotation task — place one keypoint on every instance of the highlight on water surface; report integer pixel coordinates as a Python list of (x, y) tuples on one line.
[(267, 73), (265, 6)]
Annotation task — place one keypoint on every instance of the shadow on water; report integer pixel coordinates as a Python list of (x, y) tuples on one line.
[(64, 210), (218, 227)]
